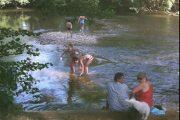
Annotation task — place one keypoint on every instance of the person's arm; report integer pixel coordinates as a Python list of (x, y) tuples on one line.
[(66, 24), (79, 51), (128, 90), (78, 19), (81, 66), (71, 25), (137, 89), (107, 105), (63, 54)]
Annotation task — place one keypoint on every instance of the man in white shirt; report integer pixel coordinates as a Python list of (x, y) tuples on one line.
[(117, 94)]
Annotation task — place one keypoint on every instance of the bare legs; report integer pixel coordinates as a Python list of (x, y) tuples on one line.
[(82, 27), (72, 68), (85, 66), (69, 33), (81, 67)]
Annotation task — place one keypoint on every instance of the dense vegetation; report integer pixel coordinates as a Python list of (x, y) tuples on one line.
[(14, 75), (93, 7)]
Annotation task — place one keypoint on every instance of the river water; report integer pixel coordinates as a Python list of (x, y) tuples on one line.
[(128, 44)]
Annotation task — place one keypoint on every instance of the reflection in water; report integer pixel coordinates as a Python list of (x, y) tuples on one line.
[(21, 21), (24, 25), (78, 86), (32, 20), (73, 84)]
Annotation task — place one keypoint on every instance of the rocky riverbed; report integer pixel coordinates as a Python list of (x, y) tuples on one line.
[(62, 37)]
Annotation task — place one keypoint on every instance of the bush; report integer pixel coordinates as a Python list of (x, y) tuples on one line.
[(108, 13), (14, 75)]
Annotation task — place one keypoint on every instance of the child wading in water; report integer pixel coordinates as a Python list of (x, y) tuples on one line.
[(73, 54), (69, 28), (84, 63), (81, 22), (76, 57)]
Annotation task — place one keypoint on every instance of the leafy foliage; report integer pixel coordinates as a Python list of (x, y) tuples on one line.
[(75, 7), (150, 5), (15, 2), (4, 2), (14, 75), (92, 7)]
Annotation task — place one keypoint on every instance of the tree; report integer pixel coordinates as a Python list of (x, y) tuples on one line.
[(151, 5), (13, 2), (4, 2), (14, 75)]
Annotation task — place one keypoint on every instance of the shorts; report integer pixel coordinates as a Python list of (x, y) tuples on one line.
[(81, 23), (69, 29)]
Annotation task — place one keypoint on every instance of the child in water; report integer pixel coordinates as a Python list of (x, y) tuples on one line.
[(84, 63), (69, 27), (73, 54), (81, 22)]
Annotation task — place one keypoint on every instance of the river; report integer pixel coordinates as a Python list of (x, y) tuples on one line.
[(128, 44)]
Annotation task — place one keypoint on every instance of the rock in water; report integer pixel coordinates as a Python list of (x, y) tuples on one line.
[(62, 37)]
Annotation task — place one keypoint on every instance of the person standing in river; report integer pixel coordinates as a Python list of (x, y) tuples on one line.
[(69, 28), (73, 55), (81, 22), (85, 60)]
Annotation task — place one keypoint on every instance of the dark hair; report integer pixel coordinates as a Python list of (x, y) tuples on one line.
[(70, 44), (118, 75), (75, 58), (142, 75), (69, 20)]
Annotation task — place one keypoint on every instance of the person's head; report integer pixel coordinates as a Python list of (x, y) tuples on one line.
[(70, 45), (142, 77), (69, 20), (82, 16), (119, 77), (75, 59)]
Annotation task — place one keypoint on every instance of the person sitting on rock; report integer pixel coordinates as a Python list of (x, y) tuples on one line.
[(144, 91), (118, 92)]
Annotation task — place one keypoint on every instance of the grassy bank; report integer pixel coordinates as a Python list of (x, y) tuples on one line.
[(87, 115)]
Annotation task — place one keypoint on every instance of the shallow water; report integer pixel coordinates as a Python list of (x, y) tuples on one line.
[(130, 44)]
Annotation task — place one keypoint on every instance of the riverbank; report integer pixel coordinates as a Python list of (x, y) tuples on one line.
[(88, 115), (17, 10), (154, 12), (159, 13)]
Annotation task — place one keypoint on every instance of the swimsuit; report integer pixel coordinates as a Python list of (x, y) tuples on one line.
[(69, 26), (88, 57), (81, 21)]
